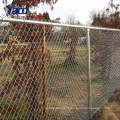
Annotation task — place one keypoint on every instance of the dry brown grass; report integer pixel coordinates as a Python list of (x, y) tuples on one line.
[(111, 109)]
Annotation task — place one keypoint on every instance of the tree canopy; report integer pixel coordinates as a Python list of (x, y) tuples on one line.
[(33, 3), (110, 17)]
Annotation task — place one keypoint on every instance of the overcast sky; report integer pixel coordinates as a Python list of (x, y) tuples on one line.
[(79, 8)]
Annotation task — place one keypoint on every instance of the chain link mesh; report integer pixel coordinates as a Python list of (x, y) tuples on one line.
[(105, 63), (44, 71)]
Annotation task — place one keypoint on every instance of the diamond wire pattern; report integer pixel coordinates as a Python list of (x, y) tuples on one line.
[(3, 118), (66, 77), (66, 93), (64, 86), (105, 77)]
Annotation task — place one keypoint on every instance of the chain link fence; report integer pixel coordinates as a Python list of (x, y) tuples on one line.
[(105, 52), (51, 71)]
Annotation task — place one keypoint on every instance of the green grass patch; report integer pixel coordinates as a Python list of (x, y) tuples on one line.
[(13, 110), (68, 68), (96, 80)]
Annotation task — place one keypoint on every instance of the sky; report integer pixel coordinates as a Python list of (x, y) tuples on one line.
[(81, 9)]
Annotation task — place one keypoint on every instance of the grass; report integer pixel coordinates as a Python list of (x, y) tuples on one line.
[(13, 110), (96, 80), (66, 77), (69, 68)]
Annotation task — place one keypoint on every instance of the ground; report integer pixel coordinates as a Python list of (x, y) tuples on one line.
[(67, 87), (111, 108)]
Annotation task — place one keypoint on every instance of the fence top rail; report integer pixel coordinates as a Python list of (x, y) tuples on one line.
[(55, 24)]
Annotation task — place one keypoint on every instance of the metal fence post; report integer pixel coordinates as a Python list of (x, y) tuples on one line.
[(89, 74)]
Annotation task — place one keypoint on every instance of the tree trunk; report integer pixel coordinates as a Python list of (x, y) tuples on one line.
[(71, 53)]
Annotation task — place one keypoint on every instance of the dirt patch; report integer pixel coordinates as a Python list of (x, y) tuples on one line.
[(111, 109)]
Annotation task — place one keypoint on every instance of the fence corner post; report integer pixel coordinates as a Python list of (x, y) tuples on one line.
[(89, 74)]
